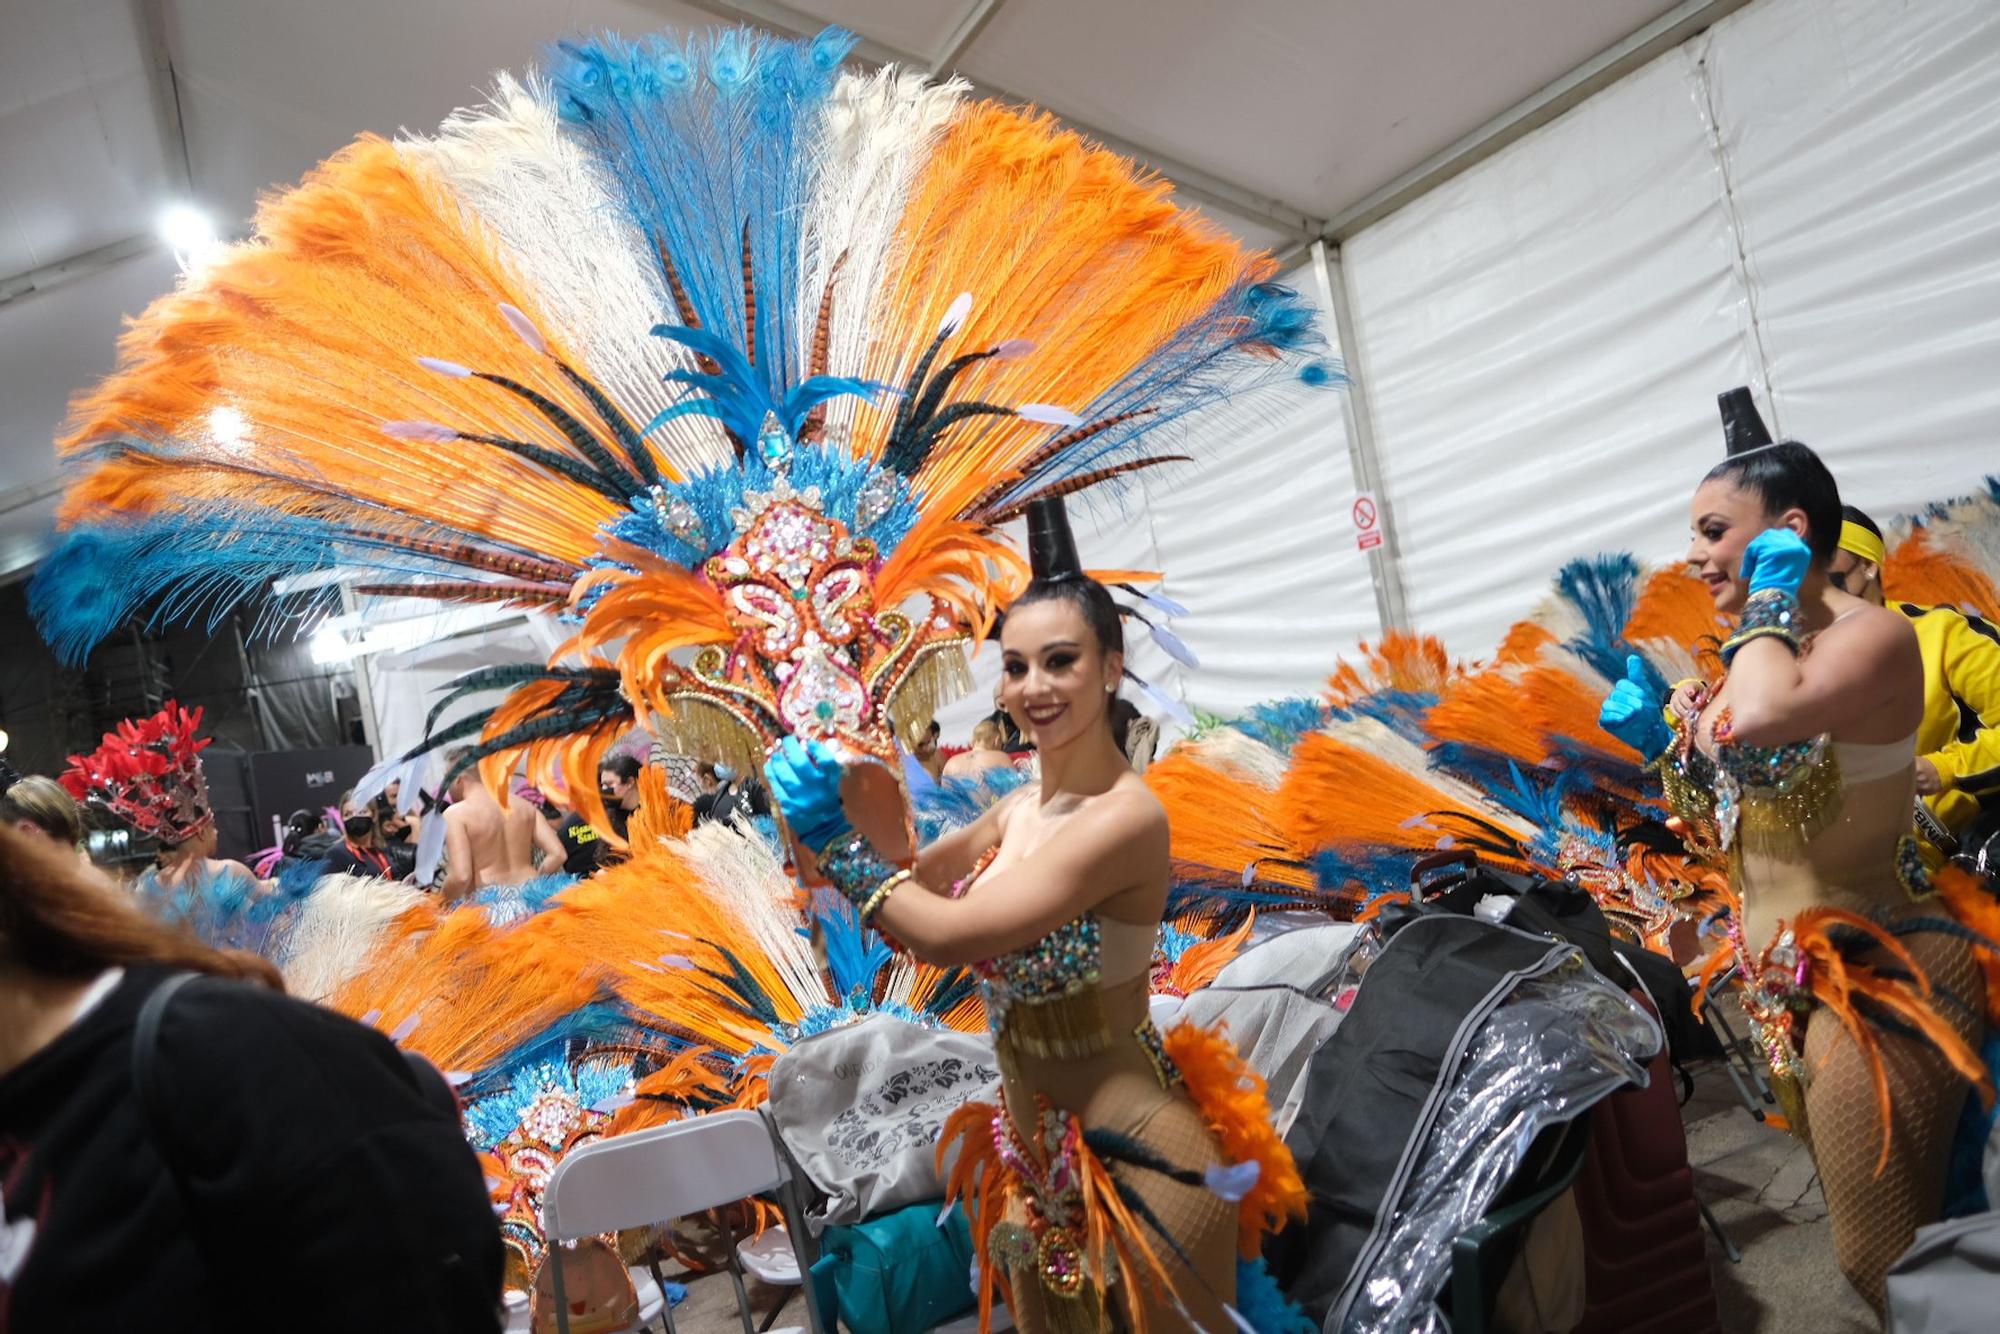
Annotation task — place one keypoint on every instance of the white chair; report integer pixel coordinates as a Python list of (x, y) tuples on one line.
[(652, 1176)]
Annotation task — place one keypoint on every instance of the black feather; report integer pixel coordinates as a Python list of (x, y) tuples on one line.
[(635, 448), (580, 436), (555, 461)]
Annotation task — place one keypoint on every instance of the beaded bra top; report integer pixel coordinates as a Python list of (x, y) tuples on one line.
[(1046, 1000), (1770, 800)]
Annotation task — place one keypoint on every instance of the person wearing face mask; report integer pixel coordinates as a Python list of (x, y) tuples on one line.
[(725, 794), (360, 852), (1958, 743), (1055, 897), (618, 784), (1797, 769)]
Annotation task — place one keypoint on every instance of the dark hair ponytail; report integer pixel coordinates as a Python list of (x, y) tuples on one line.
[(1789, 476)]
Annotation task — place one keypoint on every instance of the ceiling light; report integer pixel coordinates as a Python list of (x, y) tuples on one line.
[(186, 229)]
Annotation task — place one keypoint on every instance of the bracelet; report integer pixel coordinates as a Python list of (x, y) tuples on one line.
[(882, 893), (1770, 614), (853, 867)]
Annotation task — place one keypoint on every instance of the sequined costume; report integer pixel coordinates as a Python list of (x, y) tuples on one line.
[(1864, 995), (1125, 1169)]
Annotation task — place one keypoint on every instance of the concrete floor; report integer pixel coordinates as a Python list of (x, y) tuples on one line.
[(1760, 1185), (1758, 1182)]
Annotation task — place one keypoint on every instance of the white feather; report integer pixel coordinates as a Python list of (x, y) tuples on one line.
[(431, 431), (878, 135), (744, 872), (954, 315), (337, 929), (525, 327), (443, 367), (430, 847), (593, 285), (1047, 412)]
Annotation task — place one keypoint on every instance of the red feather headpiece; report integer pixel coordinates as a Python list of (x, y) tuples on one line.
[(148, 773)]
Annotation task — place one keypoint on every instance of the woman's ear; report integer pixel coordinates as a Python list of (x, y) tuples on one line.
[(1794, 519), (1114, 671)]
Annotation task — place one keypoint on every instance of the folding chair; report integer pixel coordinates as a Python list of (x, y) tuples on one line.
[(652, 1176), (1745, 1065)]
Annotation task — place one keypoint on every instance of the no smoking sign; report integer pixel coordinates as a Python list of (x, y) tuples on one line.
[(1367, 522)]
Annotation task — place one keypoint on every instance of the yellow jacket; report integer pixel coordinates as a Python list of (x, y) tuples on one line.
[(1961, 728)]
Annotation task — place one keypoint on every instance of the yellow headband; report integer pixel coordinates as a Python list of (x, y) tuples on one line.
[(1855, 538)]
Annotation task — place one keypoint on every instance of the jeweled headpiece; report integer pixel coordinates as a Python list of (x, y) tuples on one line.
[(147, 772), (884, 319)]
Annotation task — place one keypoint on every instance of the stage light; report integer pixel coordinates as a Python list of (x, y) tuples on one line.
[(187, 229)]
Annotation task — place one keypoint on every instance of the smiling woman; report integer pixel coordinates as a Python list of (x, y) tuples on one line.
[(1111, 1180)]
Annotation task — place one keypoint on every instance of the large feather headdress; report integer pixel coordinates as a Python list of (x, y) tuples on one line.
[(732, 357)]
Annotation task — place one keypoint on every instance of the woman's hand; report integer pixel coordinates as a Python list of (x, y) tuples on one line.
[(1632, 711), (1776, 560), (804, 778)]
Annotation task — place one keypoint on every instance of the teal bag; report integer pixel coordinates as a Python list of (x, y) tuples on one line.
[(897, 1274)]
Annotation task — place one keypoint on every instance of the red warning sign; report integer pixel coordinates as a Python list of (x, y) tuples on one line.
[(1367, 522)]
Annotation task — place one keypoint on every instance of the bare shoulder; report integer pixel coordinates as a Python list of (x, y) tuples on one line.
[(1136, 812), (1880, 633)]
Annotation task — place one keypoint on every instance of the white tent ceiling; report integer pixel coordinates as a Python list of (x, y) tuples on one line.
[(1276, 115)]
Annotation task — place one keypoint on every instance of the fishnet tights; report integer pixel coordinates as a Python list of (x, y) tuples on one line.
[(1875, 1218), (1200, 1222)]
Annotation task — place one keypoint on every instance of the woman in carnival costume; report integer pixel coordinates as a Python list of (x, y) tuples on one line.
[(1115, 1183), (1796, 768), (147, 775)]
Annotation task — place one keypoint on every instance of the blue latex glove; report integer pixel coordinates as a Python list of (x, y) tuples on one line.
[(804, 778), (1632, 712), (1776, 558)]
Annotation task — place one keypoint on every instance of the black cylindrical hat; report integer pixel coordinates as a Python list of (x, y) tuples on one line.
[(1743, 428), (1051, 545)]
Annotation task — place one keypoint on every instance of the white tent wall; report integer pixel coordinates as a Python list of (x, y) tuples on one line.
[(405, 685), (1864, 147), (1806, 196), (1542, 339)]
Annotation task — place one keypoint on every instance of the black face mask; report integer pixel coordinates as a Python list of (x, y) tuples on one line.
[(359, 826)]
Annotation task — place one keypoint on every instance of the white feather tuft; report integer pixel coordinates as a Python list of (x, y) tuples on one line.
[(443, 367), (1174, 646), (876, 139), (1049, 413), (430, 847), (584, 266), (954, 315), (337, 929), (525, 327), (431, 431), (1168, 705)]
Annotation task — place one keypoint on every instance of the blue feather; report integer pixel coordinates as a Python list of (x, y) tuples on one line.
[(698, 139), (197, 565), (1604, 589)]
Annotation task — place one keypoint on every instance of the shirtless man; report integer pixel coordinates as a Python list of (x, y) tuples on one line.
[(487, 845)]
